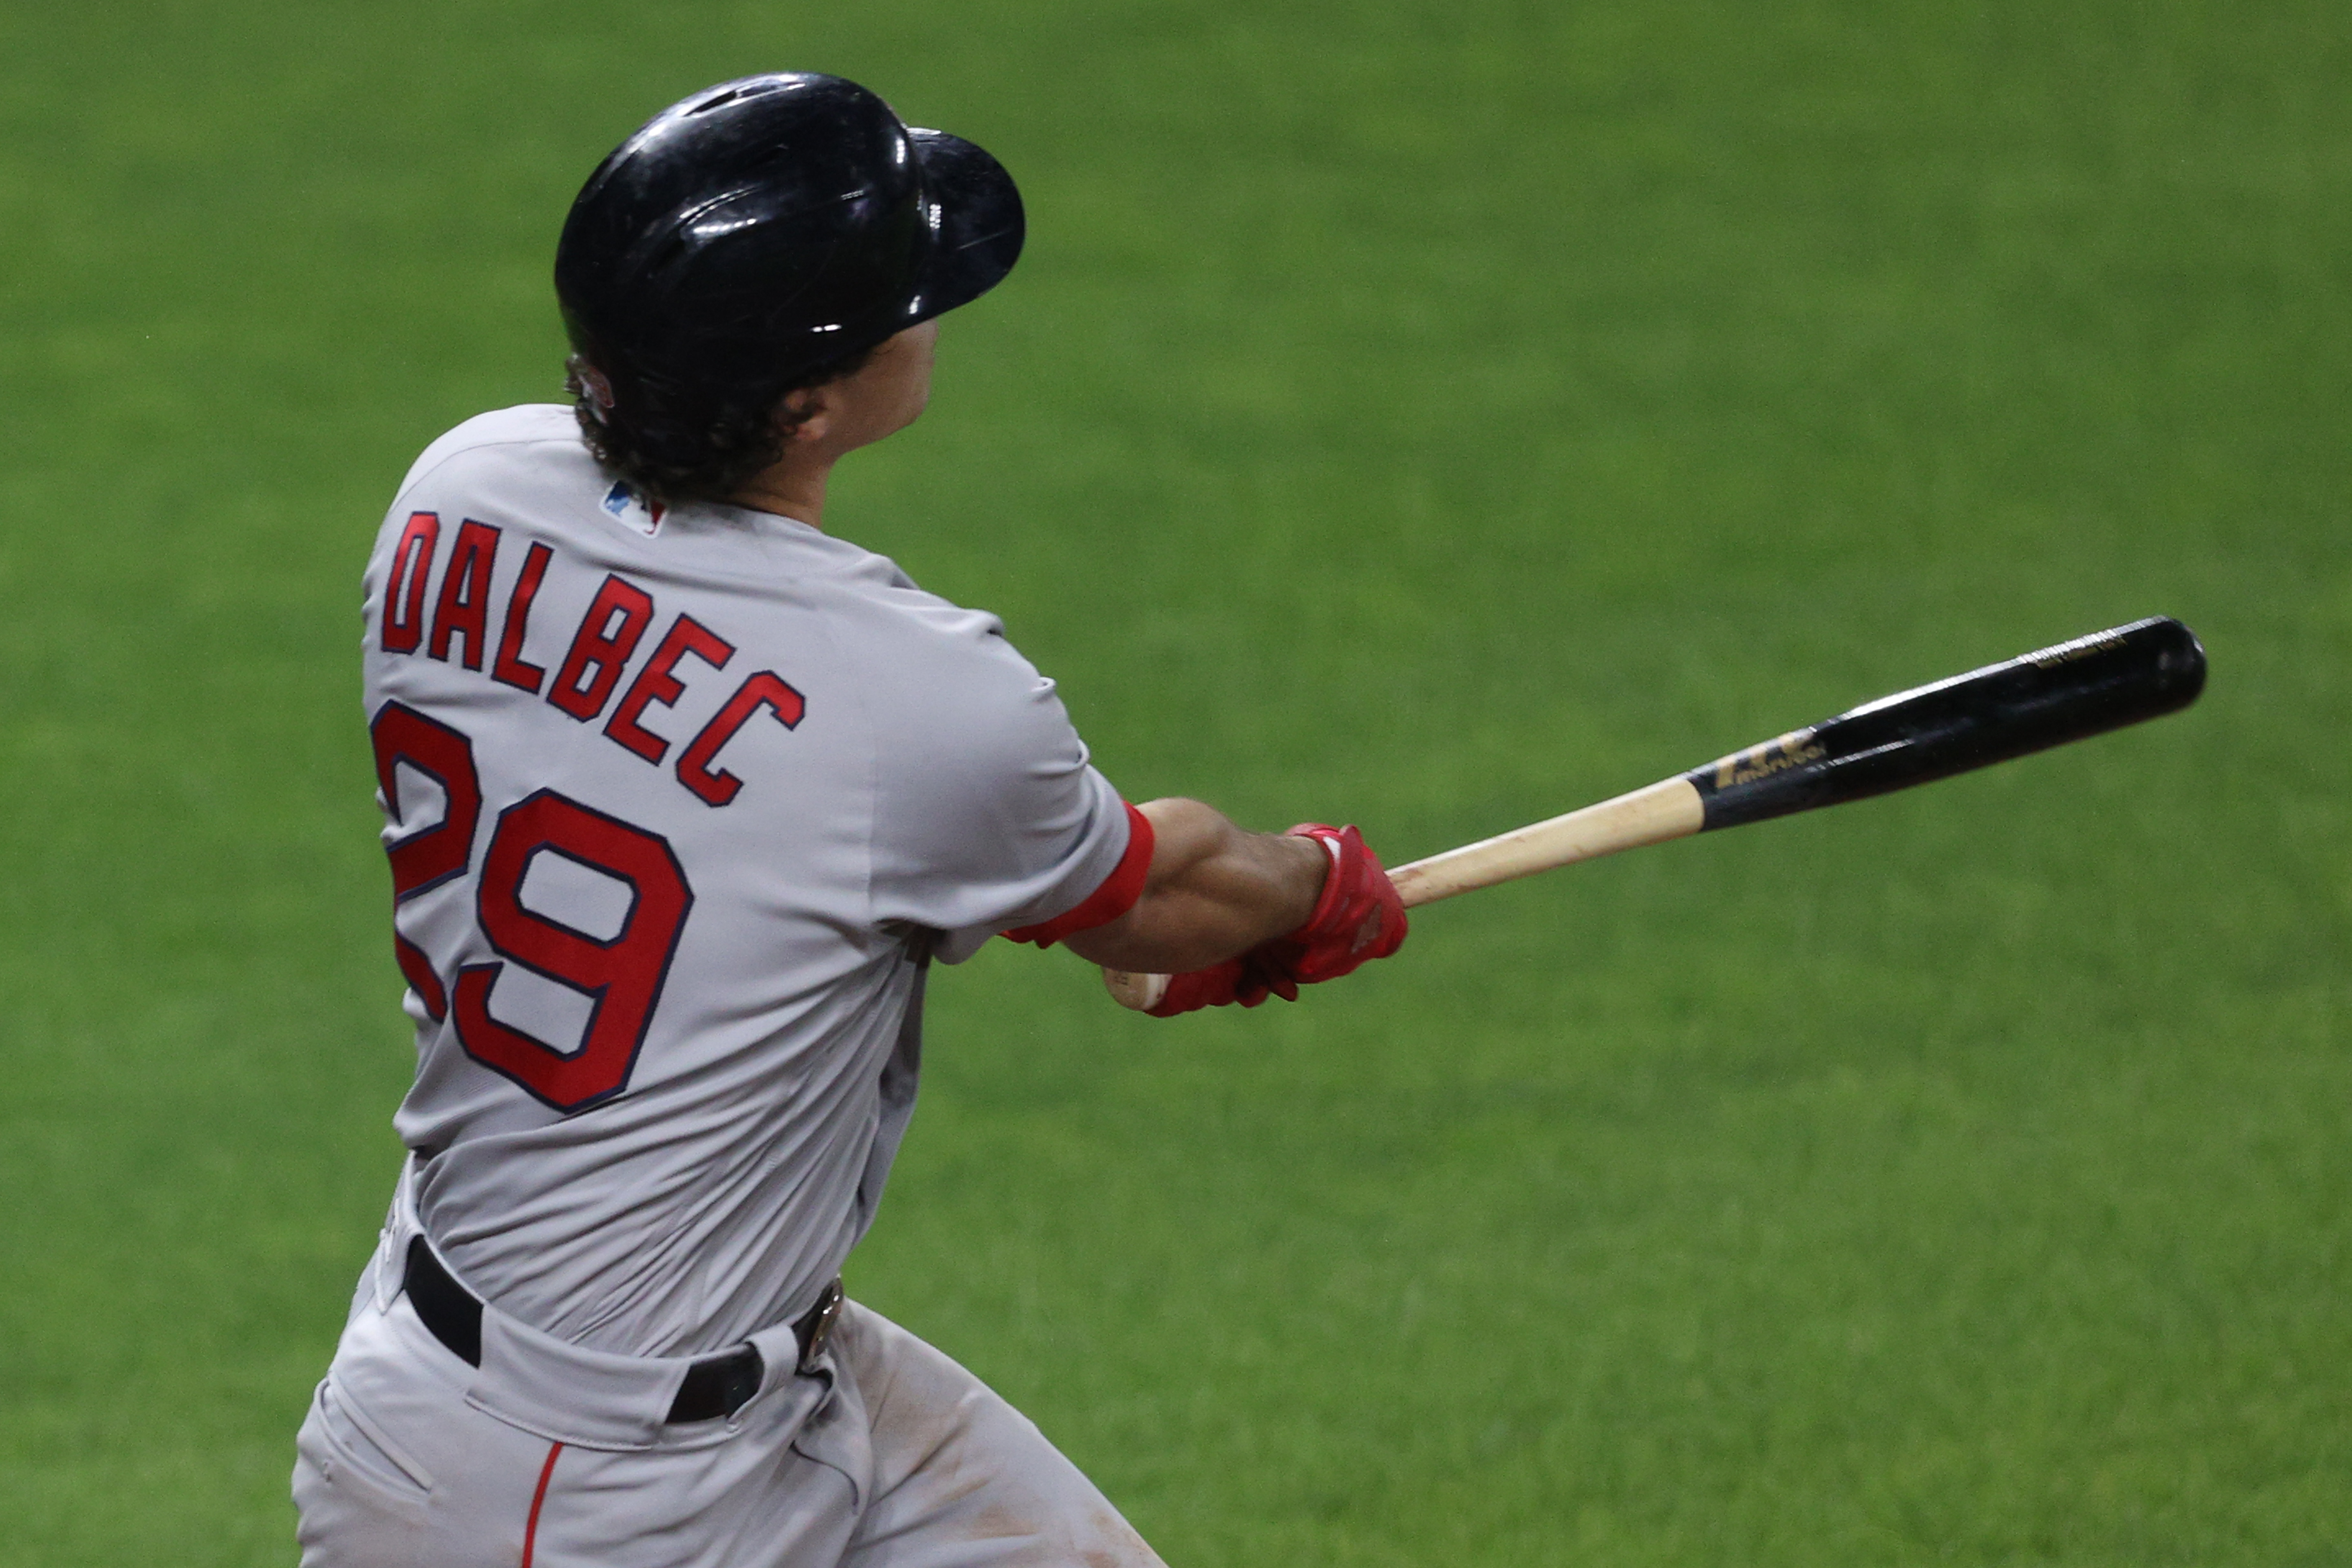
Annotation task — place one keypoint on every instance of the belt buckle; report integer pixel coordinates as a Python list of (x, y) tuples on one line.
[(816, 1326)]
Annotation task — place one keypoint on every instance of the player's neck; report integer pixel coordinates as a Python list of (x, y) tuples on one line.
[(794, 487), (831, 421)]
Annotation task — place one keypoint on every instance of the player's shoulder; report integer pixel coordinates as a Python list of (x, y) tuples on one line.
[(529, 434), (877, 604), (938, 676)]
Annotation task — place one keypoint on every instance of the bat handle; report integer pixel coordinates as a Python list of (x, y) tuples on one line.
[(1138, 992), (1668, 809)]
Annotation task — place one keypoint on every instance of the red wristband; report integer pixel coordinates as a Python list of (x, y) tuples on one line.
[(1118, 894)]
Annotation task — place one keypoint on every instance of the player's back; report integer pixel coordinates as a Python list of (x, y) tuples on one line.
[(679, 803)]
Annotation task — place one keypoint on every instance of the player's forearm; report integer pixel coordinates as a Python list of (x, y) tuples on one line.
[(1214, 891)]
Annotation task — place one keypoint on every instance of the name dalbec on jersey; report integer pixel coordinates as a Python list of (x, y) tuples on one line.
[(600, 651)]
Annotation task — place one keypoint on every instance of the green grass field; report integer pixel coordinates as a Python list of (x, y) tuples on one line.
[(1432, 416)]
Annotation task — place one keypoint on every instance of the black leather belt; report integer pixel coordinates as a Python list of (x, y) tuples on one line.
[(716, 1385)]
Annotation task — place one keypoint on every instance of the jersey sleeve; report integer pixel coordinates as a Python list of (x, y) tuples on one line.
[(988, 816)]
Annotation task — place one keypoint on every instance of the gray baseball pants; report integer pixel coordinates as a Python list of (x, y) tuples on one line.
[(889, 1456)]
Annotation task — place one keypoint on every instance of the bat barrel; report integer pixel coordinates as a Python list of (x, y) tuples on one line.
[(2095, 683), (2039, 700)]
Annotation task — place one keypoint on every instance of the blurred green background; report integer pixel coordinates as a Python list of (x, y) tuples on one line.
[(1428, 416)]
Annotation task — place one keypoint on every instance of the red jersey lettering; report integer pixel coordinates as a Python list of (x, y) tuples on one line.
[(657, 683), (404, 588), (464, 609), (510, 666), (608, 635), (765, 690)]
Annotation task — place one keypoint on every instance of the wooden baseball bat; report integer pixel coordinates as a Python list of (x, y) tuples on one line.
[(2039, 700)]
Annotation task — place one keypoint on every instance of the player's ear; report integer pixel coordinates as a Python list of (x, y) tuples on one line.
[(807, 412)]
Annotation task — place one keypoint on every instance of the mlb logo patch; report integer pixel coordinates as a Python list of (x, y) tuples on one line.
[(632, 508)]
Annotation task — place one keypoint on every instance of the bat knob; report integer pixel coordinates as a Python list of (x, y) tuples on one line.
[(1138, 992)]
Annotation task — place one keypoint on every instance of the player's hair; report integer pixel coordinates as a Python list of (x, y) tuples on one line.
[(674, 443)]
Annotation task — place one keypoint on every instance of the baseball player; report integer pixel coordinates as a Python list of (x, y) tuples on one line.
[(682, 796)]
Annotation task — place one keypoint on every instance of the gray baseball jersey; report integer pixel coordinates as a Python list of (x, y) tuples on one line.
[(679, 805)]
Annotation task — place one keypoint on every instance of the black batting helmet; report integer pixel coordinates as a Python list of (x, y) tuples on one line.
[(766, 226)]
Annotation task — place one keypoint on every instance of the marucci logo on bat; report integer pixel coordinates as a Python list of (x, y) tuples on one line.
[(1793, 750), (2081, 648)]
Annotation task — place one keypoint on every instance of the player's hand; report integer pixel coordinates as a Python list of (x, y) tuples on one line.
[(1357, 918), (1236, 981)]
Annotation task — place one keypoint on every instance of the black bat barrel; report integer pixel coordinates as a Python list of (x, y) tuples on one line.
[(2085, 687)]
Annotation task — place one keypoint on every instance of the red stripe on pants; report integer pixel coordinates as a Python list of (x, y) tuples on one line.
[(531, 1531)]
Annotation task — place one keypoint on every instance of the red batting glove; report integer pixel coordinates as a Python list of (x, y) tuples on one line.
[(1236, 980), (1357, 918)]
